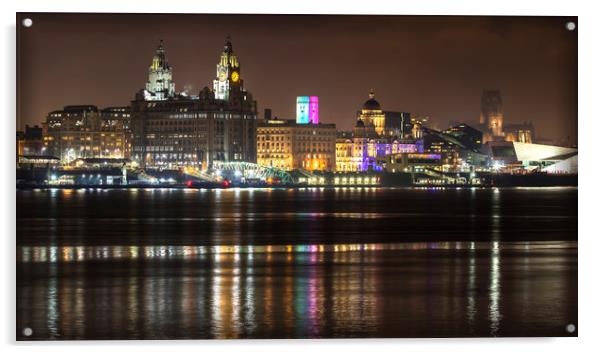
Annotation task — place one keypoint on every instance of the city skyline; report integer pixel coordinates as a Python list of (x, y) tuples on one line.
[(295, 177), (442, 82)]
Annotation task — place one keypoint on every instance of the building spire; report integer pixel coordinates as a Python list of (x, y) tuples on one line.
[(228, 45), (160, 59), (371, 94)]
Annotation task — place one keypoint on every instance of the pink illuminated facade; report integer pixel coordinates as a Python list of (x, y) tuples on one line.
[(314, 116)]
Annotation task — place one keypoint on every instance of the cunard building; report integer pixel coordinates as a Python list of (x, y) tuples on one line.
[(171, 130)]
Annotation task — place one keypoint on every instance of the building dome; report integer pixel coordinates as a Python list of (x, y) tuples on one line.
[(371, 104)]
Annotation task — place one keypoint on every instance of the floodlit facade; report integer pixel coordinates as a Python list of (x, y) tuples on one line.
[(227, 74), (359, 154), (160, 85), (174, 130), (287, 145), (87, 132), (372, 138), (372, 115)]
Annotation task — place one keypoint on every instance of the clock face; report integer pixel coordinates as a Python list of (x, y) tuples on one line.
[(235, 76), (222, 76)]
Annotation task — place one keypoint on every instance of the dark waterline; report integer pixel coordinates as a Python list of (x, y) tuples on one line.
[(314, 263)]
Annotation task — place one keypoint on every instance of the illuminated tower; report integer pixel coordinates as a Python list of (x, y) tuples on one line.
[(160, 85), (302, 109), (372, 115), (491, 112), (314, 112), (228, 73), (308, 110)]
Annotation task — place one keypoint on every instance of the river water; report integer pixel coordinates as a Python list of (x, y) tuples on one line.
[(296, 263)]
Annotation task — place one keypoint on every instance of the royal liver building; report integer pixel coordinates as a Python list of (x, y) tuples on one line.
[(172, 130)]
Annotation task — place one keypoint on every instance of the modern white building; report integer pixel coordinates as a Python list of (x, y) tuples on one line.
[(548, 158), (534, 157)]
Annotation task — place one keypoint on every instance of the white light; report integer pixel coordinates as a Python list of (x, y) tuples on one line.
[(571, 26)]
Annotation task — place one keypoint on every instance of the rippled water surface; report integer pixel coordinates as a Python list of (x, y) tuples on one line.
[(307, 263)]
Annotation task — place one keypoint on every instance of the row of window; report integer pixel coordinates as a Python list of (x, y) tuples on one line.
[(288, 156)]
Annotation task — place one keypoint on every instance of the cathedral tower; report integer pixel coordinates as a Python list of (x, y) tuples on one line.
[(491, 112)]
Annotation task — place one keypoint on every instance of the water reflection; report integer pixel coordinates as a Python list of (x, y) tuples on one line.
[(471, 309), (54, 254), (291, 291), (347, 262), (494, 290)]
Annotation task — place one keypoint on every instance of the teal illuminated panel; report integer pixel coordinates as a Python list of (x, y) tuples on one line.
[(302, 109)]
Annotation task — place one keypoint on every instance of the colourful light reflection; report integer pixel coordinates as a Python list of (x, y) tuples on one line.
[(53, 254)]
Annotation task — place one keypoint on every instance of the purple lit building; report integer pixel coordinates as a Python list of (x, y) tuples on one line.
[(360, 151)]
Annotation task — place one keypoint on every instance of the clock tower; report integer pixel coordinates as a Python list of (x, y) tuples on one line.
[(228, 73)]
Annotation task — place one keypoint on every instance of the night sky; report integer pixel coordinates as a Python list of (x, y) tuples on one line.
[(430, 65)]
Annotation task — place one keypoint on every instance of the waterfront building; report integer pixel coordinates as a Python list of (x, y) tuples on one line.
[(172, 130), (84, 131), (409, 162), (372, 138), (288, 145), (30, 141), (509, 156), (460, 147), (470, 137), (116, 133), (160, 85), (448, 149)]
